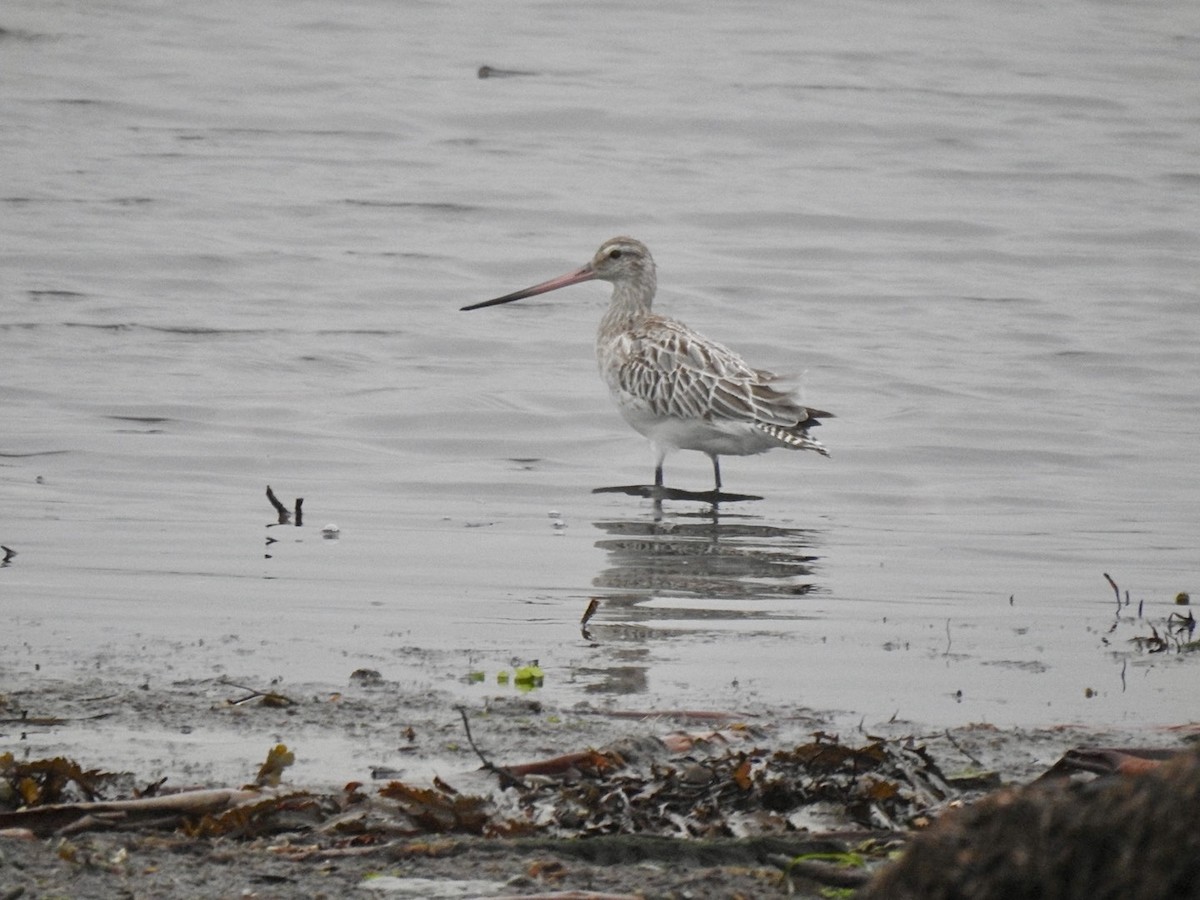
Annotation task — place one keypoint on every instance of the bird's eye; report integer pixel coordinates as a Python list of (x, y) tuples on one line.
[(614, 253)]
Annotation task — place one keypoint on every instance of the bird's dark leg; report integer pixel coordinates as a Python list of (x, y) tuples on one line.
[(658, 490), (716, 477)]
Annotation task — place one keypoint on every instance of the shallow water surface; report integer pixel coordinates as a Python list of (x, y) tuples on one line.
[(234, 242)]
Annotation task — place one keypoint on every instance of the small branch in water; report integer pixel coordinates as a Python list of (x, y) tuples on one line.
[(268, 698), (1116, 590), (507, 778), (593, 605), (284, 515)]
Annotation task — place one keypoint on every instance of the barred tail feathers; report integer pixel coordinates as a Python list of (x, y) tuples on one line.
[(794, 437)]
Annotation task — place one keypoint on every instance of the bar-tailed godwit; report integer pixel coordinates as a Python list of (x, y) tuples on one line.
[(673, 385)]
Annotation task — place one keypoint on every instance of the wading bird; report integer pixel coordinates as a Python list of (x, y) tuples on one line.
[(673, 385)]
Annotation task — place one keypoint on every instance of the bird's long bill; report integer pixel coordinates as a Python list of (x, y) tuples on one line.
[(587, 273)]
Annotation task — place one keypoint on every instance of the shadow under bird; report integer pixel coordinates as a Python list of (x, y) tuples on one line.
[(672, 384)]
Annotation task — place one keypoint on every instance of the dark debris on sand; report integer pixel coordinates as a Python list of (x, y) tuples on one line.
[(724, 813)]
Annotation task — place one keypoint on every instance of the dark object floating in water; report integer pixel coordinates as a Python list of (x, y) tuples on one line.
[(490, 72), (285, 516)]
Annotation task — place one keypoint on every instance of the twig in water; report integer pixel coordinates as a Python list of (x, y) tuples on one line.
[(280, 509), (285, 515), (948, 642), (507, 778), (1116, 590), (269, 698), (592, 606)]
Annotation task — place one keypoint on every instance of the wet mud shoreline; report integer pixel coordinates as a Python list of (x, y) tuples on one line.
[(738, 797)]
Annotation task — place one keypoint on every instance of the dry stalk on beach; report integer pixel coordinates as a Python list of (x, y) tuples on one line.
[(507, 778), (164, 811)]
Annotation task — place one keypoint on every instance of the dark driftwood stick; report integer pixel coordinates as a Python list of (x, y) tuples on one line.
[(45, 820), (593, 605), (285, 516), (1116, 590), (280, 509)]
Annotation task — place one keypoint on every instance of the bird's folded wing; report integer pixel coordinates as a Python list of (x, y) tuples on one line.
[(676, 372)]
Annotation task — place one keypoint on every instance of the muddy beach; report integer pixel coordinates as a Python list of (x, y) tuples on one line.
[(714, 803)]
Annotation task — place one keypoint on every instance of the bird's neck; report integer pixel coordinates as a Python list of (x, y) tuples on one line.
[(630, 303)]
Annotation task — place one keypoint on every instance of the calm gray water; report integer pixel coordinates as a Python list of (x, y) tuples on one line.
[(233, 243)]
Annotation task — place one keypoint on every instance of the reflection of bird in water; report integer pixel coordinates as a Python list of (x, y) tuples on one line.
[(675, 386), (691, 581), (720, 562)]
